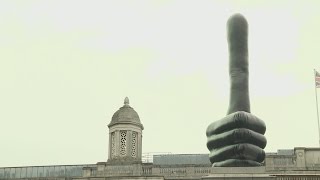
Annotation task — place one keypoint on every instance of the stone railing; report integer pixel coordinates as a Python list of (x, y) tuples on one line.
[(280, 162), (147, 169), (43, 171), (181, 170), (298, 177)]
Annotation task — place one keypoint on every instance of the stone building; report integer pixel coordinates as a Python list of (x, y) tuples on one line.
[(125, 161)]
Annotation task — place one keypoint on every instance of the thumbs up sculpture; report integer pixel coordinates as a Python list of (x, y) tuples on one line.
[(237, 139)]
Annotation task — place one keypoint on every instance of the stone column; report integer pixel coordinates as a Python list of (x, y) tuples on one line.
[(128, 144), (110, 146), (117, 143), (139, 144), (301, 160)]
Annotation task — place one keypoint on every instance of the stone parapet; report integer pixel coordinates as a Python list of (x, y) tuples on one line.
[(239, 173)]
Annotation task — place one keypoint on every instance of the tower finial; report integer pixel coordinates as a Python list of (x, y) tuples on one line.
[(126, 101)]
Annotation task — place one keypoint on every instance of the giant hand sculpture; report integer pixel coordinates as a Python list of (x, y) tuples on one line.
[(237, 139)]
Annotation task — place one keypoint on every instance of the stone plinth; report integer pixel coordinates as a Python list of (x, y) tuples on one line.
[(239, 173)]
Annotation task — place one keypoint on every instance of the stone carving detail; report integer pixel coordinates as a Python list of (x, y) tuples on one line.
[(123, 143), (134, 144), (113, 145)]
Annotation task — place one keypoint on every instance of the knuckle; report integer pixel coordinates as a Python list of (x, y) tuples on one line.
[(240, 118), (241, 135), (209, 130), (239, 149), (212, 156), (210, 143), (237, 135)]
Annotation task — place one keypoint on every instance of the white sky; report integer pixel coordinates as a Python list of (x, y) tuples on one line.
[(66, 67)]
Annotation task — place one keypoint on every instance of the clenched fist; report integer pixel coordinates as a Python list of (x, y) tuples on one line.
[(237, 139)]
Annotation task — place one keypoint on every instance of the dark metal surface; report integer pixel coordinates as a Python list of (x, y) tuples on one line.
[(237, 139)]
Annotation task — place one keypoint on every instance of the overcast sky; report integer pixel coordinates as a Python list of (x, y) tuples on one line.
[(66, 67)]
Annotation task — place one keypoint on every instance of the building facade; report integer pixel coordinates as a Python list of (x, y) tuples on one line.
[(125, 161)]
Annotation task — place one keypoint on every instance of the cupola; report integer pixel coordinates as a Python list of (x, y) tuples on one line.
[(125, 135)]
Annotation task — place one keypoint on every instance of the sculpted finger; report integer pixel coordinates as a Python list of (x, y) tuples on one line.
[(242, 151), (236, 136), (238, 63), (236, 163), (237, 120)]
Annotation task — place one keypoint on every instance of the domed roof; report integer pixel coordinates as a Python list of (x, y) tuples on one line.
[(126, 114)]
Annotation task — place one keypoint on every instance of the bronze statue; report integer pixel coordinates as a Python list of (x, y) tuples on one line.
[(237, 139)]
